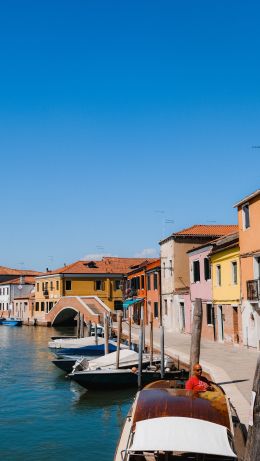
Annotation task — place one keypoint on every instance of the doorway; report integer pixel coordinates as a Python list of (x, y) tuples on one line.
[(220, 324), (182, 316), (235, 324)]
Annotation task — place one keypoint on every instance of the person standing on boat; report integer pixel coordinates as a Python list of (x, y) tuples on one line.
[(197, 382)]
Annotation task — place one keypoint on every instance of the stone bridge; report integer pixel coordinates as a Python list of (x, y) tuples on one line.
[(66, 309)]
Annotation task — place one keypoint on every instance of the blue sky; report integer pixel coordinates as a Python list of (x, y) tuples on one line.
[(116, 116)]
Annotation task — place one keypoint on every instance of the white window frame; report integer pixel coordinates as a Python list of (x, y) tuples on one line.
[(233, 263), (244, 206)]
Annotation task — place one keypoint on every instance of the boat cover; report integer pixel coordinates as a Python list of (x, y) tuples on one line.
[(178, 434)]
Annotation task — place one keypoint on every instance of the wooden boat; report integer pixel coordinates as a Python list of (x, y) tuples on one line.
[(168, 424), (82, 346), (12, 322)]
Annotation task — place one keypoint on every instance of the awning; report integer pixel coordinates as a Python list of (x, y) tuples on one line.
[(179, 434), (130, 302)]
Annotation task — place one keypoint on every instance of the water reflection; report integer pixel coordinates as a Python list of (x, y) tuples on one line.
[(54, 415)]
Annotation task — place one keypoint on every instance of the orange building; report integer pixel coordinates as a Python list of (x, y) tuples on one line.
[(143, 291), (249, 242)]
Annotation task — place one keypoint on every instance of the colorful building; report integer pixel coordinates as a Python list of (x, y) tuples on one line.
[(175, 274), (249, 242), (142, 296), (103, 279), (201, 287), (226, 309)]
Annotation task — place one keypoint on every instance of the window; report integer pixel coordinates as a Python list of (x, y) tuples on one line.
[(68, 285), (155, 283), (98, 285), (7, 291), (148, 282), (207, 269), (57, 284), (42, 306), (245, 213), (37, 286), (36, 306), (210, 314), (117, 285), (218, 274), (142, 281), (42, 286), (196, 271), (234, 272), (51, 285), (164, 269), (118, 305), (50, 305), (170, 262), (155, 310), (165, 307)]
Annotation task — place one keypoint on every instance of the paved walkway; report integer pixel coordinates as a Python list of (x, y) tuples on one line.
[(231, 366)]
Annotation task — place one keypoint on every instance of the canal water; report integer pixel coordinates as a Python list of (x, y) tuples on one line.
[(45, 416)]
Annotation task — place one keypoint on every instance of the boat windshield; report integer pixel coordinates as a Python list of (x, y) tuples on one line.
[(146, 456)]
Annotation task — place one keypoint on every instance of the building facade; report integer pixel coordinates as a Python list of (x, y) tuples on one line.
[(175, 273), (226, 315), (249, 242)]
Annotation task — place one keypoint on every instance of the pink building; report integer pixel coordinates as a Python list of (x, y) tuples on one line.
[(201, 287)]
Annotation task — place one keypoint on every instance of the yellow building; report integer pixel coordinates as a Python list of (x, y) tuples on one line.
[(83, 278), (226, 288)]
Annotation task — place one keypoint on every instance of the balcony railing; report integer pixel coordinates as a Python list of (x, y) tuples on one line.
[(253, 290)]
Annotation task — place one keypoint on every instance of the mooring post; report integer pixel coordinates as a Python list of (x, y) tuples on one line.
[(196, 334), (140, 358), (82, 325), (78, 325), (151, 338), (106, 332), (119, 332), (89, 328), (96, 335), (130, 325), (162, 350), (252, 452)]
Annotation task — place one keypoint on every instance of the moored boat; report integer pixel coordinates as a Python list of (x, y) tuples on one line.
[(12, 321), (82, 346), (168, 424)]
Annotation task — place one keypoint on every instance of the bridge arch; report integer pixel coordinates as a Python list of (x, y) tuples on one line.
[(66, 309)]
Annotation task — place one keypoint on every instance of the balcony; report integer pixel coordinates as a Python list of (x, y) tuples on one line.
[(253, 290), (46, 293)]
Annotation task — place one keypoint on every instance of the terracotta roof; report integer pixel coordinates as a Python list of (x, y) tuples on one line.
[(8, 271), (108, 265), (208, 230), (26, 280)]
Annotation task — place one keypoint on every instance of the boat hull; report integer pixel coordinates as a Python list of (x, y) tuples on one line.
[(120, 379), (12, 323), (91, 350)]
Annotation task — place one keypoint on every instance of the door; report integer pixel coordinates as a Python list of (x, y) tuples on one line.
[(220, 324), (235, 324), (182, 316)]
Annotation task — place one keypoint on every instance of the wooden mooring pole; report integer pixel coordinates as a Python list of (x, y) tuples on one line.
[(140, 351), (106, 332), (88, 331), (130, 326), (252, 452), (81, 325), (196, 334), (151, 338), (162, 350), (78, 324), (119, 333)]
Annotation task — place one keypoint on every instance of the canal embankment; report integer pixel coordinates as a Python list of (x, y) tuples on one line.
[(230, 366)]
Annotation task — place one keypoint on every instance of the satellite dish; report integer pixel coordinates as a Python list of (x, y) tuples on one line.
[(20, 287)]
